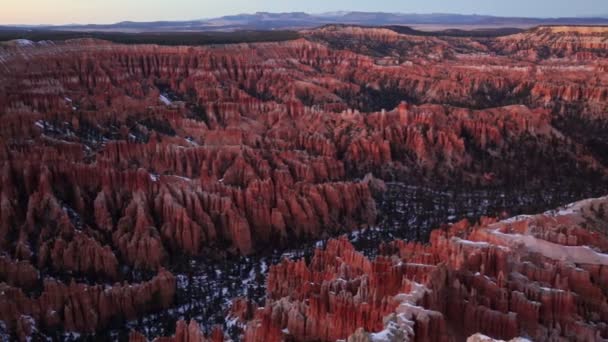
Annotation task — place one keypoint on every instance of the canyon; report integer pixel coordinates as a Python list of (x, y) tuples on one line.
[(141, 185), (541, 276)]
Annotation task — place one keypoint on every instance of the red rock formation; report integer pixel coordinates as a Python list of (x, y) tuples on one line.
[(84, 308), (18, 273), (581, 43), (503, 279), (243, 309), (116, 159)]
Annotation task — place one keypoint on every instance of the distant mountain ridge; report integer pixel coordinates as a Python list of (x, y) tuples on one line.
[(302, 20)]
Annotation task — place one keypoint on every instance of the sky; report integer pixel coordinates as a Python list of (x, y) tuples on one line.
[(111, 11)]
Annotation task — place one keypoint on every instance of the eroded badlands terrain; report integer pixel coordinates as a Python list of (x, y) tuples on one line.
[(144, 186)]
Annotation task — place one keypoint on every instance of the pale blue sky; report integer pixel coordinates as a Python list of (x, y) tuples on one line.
[(110, 11)]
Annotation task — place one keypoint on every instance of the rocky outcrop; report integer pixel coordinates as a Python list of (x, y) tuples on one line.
[(18, 273), (388, 46), (578, 42), (503, 279), (117, 160), (78, 307)]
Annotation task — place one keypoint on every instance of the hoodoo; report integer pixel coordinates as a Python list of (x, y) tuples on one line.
[(144, 186), (540, 277)]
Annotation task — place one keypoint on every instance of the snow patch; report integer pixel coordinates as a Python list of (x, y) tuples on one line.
[(164, 99), (574, 254), (24, 42), (470, 243), (484, 338), (516, 218), (384, 335)]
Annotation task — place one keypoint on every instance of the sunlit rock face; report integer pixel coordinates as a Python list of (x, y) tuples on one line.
[(119, 161), (578, 42)]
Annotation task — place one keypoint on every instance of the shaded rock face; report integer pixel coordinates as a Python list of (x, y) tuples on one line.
[(542, 277), (82, 307), (115, 160)]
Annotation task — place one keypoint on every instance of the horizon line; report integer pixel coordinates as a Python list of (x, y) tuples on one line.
[(603, 16)]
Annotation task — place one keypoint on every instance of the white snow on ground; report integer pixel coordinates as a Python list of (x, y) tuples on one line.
[(575, 254), (232, 322), (548, 289), (470, 243), (568, 209), (483, 338), (72, 335), (415, 264), (516, 218), (24, 42), (385, 335), (182, 178), (573, 208), (164, 99), (404, 311), (191, 141)]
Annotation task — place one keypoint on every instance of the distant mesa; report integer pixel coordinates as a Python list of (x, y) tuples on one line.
[(301, 20)]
